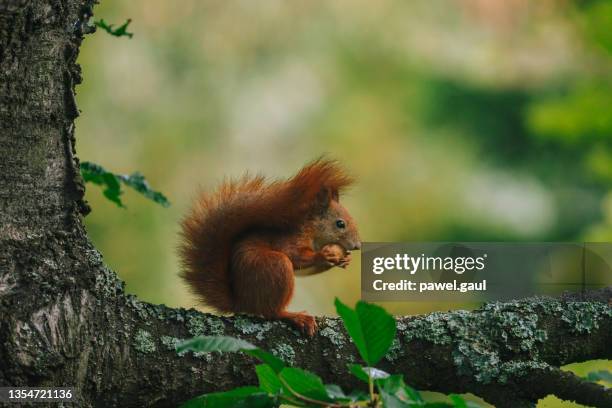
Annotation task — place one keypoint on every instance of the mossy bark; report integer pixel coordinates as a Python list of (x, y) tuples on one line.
[(66, 321)]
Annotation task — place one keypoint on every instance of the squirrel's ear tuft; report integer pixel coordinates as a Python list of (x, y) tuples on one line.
[(325, 196), (323, 199), (321, 181), (335, 195)]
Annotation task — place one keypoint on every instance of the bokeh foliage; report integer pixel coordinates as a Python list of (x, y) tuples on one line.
[(450, 138), (468, 120)]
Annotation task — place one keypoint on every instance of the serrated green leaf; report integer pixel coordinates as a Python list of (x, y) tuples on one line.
[(371, 328), (379, 329), (364, 373), (242, 397), (206, 344), (111, 184), (353, 327), (304, 383), (268, 380)]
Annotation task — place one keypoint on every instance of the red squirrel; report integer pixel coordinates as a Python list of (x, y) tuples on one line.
[(242, 244)]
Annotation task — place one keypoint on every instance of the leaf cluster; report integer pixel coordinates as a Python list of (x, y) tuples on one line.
[(111, 184), (372, 330)]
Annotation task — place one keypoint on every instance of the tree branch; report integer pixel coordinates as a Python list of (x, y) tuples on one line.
[(569, 387), (72, 324)]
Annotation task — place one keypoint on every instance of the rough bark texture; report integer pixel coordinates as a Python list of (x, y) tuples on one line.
[(65, 320)]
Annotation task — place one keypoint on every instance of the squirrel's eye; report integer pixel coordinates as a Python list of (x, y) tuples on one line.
[(340, 224)]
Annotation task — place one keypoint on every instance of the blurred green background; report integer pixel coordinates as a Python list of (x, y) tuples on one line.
[(466, 120)]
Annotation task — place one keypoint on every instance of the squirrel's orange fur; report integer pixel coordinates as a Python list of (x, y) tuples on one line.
[(242, 244)]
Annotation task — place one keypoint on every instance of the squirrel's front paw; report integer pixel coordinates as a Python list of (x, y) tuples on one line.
[(345, 260), (335, 255)]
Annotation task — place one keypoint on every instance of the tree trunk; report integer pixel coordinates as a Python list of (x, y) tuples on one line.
[(65, 320)]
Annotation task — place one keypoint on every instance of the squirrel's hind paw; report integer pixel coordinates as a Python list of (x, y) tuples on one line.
[(303, 321)]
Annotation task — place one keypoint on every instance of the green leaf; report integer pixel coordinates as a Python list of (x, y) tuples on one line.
[(270, 359), (394, 385), (391, 383), (358, 372), (112, 189), (206, 344), (268, 380), (137, 181), (337, 395), (364, 373), (242, 397), (260, 400), (413, 394), (94, 173), (358, 395), (304, 383), (335, 392), (371, 328), (391, 401), (117, 32)]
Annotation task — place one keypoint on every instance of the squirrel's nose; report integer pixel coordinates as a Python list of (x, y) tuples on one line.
[(357, 245)]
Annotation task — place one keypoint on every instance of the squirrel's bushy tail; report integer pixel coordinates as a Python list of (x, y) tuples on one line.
[(217, 221)]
